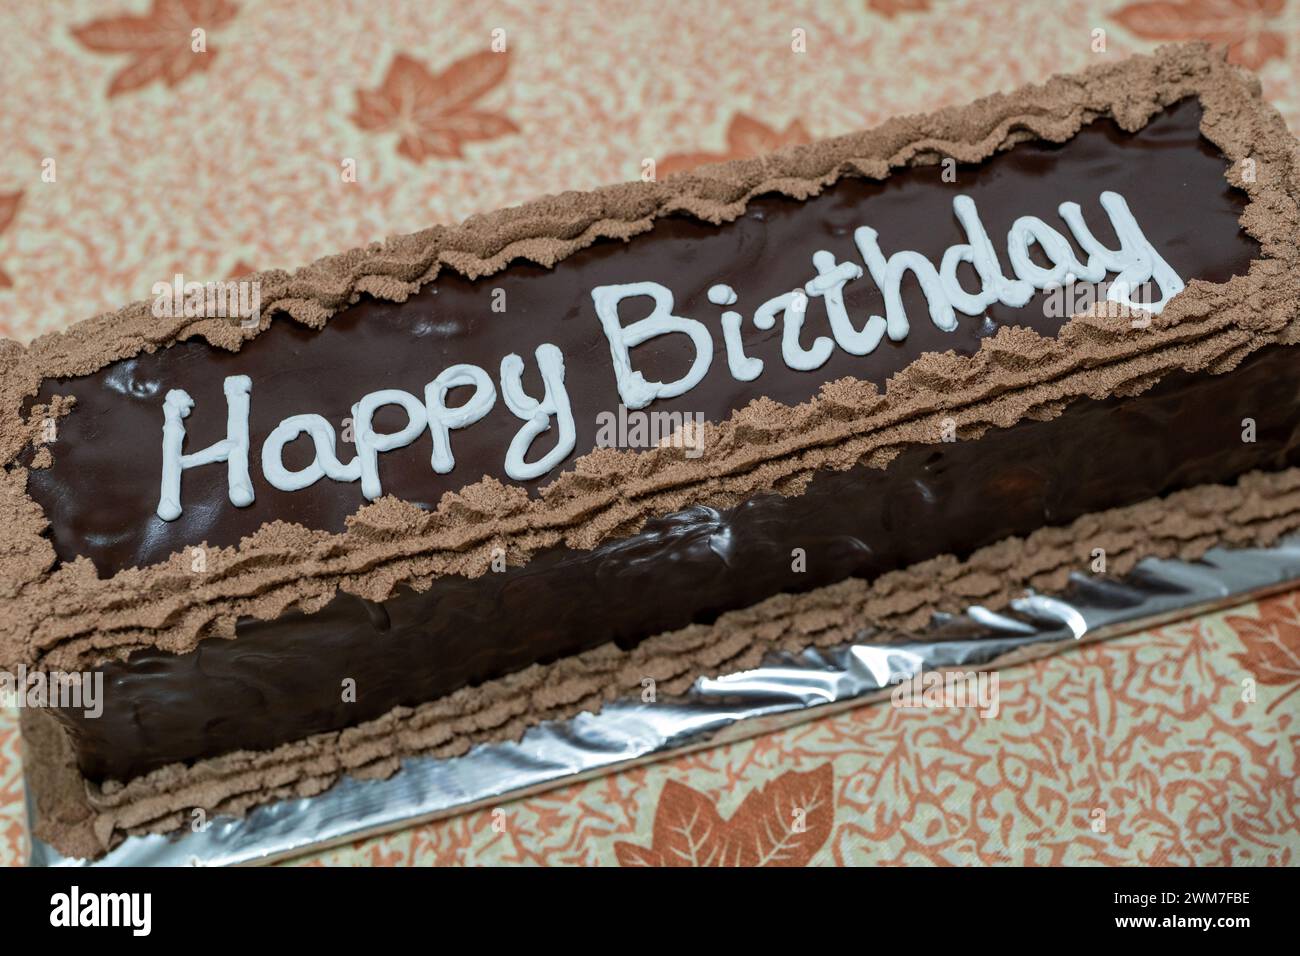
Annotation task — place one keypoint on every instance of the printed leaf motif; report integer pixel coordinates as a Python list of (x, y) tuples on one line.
[(159, 43), (8, 210), (435, 114), (888, 8), (746, 137), (781, 824), (1241, 24), (1272, 643)]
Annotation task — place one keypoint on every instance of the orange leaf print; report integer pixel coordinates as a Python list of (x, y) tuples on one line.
[(746, 137), (1241, 24), (1272, 643), (240, 269), (687, 832), (888, 8), (434, 115), (8, 210), (781, 824), (159, 43)]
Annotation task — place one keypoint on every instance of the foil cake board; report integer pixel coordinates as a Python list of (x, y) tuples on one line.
[(785, 690)]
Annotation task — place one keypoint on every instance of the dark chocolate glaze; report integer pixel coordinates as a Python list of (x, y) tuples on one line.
[(280, 680), (102, 491)]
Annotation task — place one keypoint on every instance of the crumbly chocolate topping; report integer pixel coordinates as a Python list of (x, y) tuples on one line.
[(66, 617), (84, 819)]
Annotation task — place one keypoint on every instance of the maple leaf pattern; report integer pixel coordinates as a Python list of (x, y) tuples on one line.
[(158, 42), (780, 824), (8, 210), (746, 137), (434, 115), (888, 8), (1241, 24), (1272, 642)]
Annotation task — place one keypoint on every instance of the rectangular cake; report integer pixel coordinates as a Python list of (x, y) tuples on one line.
[(439, 489)]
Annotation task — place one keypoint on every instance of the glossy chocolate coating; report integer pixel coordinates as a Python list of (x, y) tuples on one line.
[(101, 494), (279, 680)]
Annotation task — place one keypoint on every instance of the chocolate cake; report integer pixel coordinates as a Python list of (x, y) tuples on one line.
[(445, 487)]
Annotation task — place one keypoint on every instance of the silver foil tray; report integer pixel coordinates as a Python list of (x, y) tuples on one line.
[(785, 690)]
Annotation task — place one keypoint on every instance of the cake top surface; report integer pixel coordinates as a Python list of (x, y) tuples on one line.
[(766, 445)]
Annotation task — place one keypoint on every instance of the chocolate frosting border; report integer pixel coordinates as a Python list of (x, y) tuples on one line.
[(67, 617)]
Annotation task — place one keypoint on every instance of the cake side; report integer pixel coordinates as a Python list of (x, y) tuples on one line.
[(85, 819), (279, 681), (70, 618)]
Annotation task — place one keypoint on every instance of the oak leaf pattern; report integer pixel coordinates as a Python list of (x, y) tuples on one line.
[(158, 42), (746, 137), (435, 115), (1272, 642), (8, 210), (783, 823), (1241, 24)]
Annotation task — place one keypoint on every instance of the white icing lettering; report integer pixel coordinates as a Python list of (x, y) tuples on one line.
[(722, 295), (888, 276), (632, 385), (370, 443), (979, 252), (743, 368), (1028, 230), (233, 449), (537, 415), (443, 419), (792, 307), (324, 464), (1135, 262), (829, 284), (795, 355)]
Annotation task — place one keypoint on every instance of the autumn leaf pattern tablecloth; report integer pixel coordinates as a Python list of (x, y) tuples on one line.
[(137, 148)]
